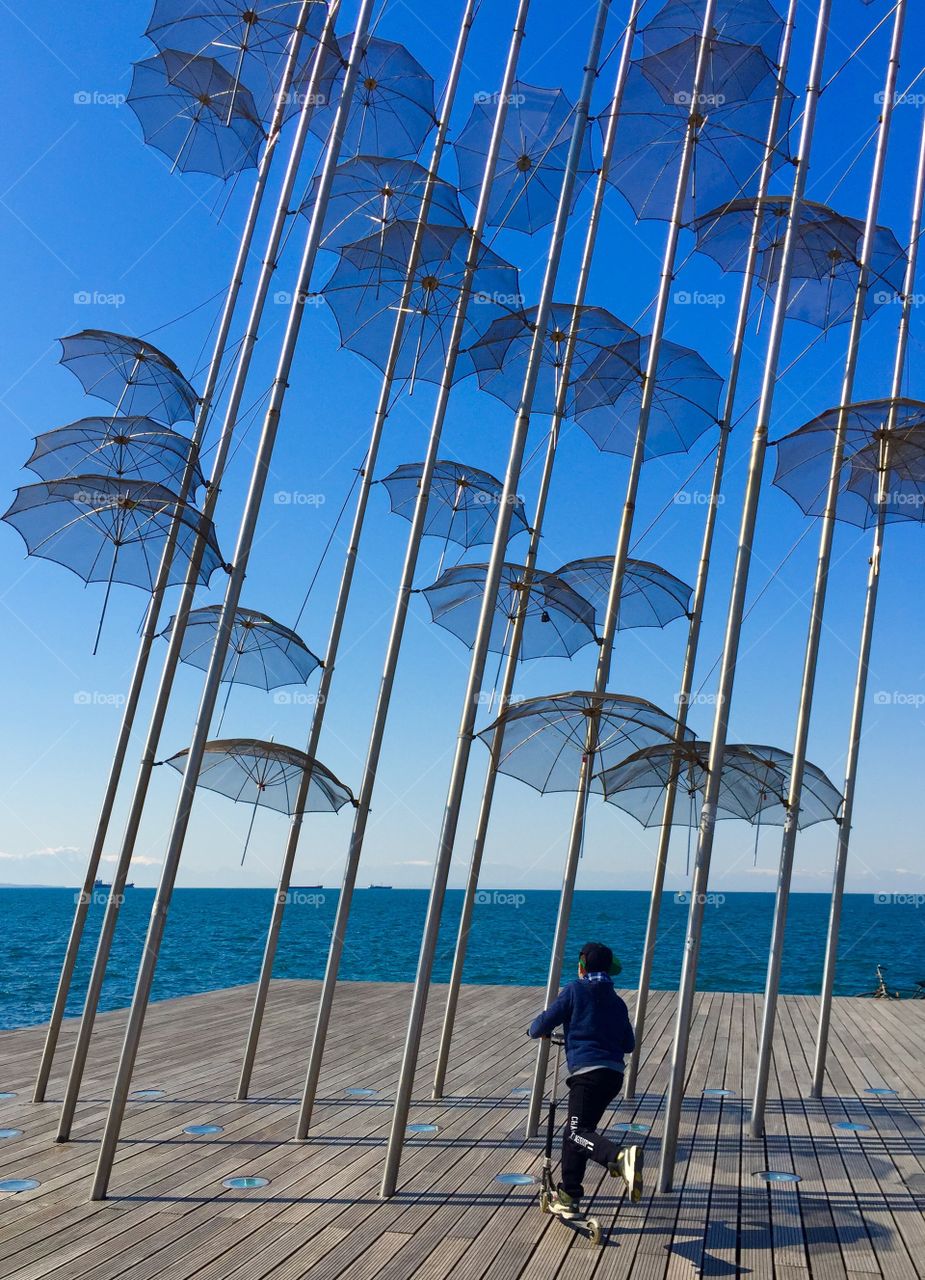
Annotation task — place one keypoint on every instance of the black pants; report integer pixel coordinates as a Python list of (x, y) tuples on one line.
[(589, 1096)]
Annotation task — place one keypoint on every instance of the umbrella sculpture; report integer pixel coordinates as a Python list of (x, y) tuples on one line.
[(501, 354), (463, 505), (129, 373), (109, 530), (882, 480), (262, 652), (369, 193), (546, 739), (748, 22), (753, 786), (132, 448), (733, 71), (730, 141), (650, 596), (266, 774), (250, 38), (196, 114), (534, 148), (685, 399), (369, 285), (558, 621), (826, 257), (393, 108)]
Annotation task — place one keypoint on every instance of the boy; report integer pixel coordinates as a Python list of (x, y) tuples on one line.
[(598, 1033)]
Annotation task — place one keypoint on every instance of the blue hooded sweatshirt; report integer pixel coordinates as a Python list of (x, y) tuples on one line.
[(597, 1026)]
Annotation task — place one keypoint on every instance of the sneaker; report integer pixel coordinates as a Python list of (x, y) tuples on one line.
[(628, 1166), (564, 1205)]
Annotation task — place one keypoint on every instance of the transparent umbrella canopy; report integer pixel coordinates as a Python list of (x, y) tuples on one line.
[(369, 193), (501, 354), (250, 38), (557, 620), (196, 114), (754, 785), (464, 502), (266, 774), (730, 143), (650, 596), (106, 529), (368, 286), (131, 374), (531, 161), (733, 71), (884, 441), (826, 259), (685, 402), (546, 739), (393, 107), (748, 22), (132, 448), (263, 653)]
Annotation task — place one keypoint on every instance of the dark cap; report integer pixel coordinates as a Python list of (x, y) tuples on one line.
[(596, 957)]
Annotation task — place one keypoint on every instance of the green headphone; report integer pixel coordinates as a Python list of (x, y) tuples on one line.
[(615, 967)]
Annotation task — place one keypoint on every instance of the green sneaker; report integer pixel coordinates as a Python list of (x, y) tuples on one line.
[(564, 1205), (628, 1166)]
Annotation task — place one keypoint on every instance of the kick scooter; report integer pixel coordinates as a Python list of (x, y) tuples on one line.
[(579, 1222)]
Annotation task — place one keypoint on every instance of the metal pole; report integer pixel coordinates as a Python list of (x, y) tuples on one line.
[(249, 518), (188, 594), (149, 630), (486, 617), (513, 653), (750, 501), (867, 629), (350, 559), (621, 553), (814, 634), (709, 529), (406, 585)]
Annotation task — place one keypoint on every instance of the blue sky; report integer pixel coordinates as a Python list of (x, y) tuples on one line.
[(88, 210)]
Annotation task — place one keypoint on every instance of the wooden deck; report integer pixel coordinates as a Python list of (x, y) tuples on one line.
[(858, 1211)]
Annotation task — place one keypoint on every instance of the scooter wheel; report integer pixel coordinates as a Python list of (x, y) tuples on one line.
[(594, 1231), (544, 1201)]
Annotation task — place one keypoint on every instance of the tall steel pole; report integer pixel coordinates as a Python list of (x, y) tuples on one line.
[(406, 585), (867, 630), (736, 613), (486, 617), (814, 633), (367, 480), (188, 593), (706, 552), (516, 637), (249, 518), (152, 615), (602, 673)]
